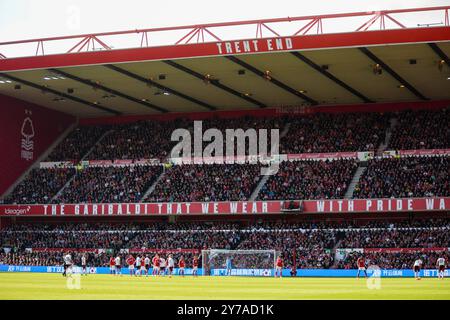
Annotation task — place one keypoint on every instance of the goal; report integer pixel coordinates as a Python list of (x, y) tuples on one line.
[(220, 262)]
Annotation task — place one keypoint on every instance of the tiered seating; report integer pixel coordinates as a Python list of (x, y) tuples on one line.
[(312, 243), (110, 184), (77, 143), (405, 177), (138, 140), (309, 180), (421, 130), (325, 132), (40, 186), (213, 182)]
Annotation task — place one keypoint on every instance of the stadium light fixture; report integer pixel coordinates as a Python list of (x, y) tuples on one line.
[(267, 75), (53, 77), (401, 86)]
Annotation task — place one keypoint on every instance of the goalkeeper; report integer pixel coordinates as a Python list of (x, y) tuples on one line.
[(228, 265)]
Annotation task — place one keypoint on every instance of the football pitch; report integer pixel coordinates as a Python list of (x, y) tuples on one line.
[(54, 287)]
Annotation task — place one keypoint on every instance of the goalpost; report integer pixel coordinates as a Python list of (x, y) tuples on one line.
[(221, 262)]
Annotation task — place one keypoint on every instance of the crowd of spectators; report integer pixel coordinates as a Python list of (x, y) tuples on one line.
[(109, 184), (212, 182), (138, 140), (413, 238), (309, 180), (310, 244), (421, 130), (40, 186), (332, 132), (76, 145), (405, 177), (393, 260)]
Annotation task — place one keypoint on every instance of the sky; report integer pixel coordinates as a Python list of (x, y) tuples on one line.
[(25, 19)]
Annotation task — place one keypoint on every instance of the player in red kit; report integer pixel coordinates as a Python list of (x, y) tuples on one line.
[(156, 262), (142, 267), (361, 263), (195, 266), (181, 265), (112, 265), (130, 262), (279, 267)]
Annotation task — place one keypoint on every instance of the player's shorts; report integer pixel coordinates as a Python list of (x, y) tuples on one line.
[(195, 268), (83, 266), (162, 268), (416, 269), (441, 268), (119, 266), (147, 267), (362, 268), (279, 268), (142, 267), (171, 269), (112, 268), (131, 266)]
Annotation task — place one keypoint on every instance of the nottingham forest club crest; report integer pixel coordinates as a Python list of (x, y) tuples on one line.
[(27, 132)]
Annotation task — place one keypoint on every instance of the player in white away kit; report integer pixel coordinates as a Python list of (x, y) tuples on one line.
[(440, 265), (162, 266), (84, 265), (147, 265), (170, 265), (67, 264), (118, 265), (417, 266), (138, 265)]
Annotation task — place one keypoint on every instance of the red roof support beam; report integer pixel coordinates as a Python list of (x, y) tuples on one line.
[(312, 20)]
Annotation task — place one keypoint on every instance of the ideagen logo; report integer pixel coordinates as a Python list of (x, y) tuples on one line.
[(17, 211), (235, 142)]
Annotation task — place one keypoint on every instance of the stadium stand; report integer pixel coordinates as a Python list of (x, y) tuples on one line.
[(40, 186), (213, 182), (405, 177), (309, 180), (109, 184), (77, 143), (329, 132), (311, 244), (421, 130)]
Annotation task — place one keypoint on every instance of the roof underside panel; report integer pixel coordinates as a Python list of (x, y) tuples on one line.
[(152, 87)]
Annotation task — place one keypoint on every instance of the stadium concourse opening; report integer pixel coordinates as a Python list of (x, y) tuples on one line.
[(90, 184)]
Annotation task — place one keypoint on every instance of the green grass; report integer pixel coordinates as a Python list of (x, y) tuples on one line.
[(53, 286)]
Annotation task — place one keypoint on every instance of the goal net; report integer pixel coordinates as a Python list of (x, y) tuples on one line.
[(219, 262)]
